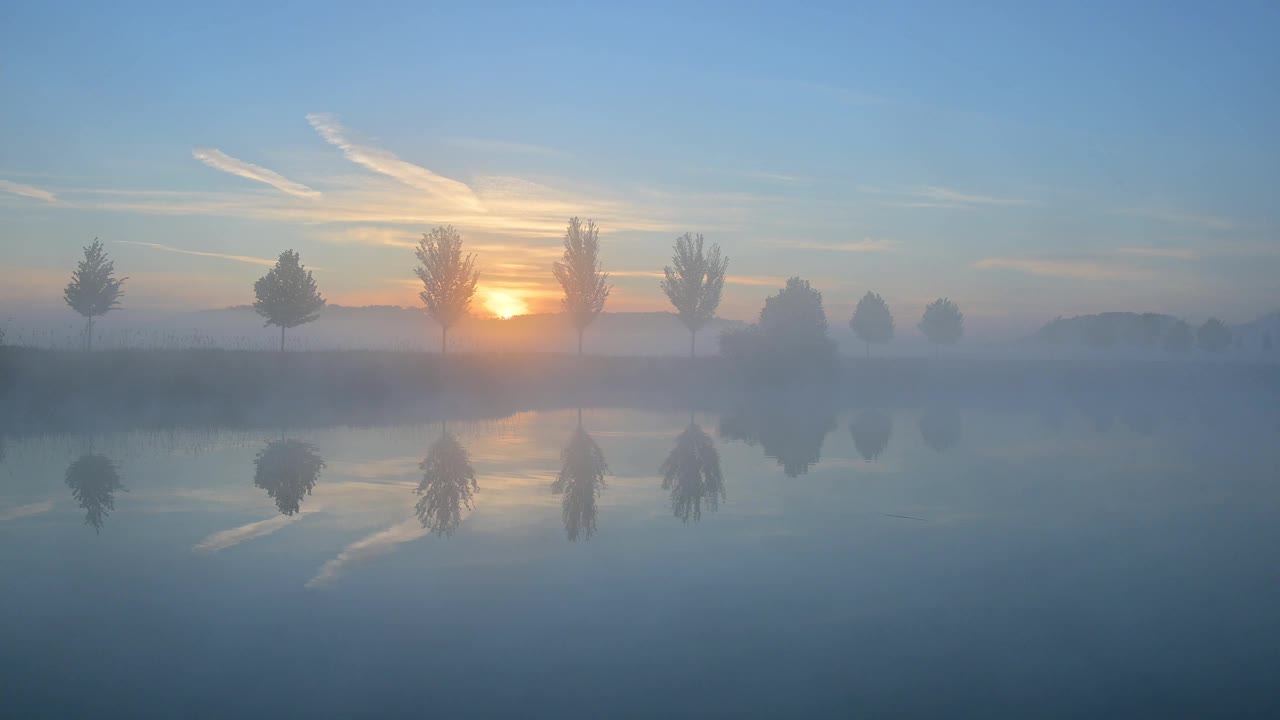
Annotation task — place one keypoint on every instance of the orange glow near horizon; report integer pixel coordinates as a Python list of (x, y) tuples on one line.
[(505, 305)]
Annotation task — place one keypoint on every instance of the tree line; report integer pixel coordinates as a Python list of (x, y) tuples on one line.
[(791, 324)]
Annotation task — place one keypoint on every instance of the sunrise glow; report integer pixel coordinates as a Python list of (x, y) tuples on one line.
[(505, 305)]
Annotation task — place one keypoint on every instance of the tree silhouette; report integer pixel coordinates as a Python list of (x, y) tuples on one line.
[(1178, 337), (692, 474), (580, 482), (585, 286), (871, 430), (872, 322), (789, 428), (942, 323), (788, 342), (448, 278), (287, 470), (1213, 336), (940, 428), (287, 295), (93, 480), (694, 283), (447, 487), (94, 290)]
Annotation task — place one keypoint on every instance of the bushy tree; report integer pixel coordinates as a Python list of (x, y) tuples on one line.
[(578, 271), (94, 289), (448, 278), (790, 426), (694, 282), (287, 294), (871, 430), (1213, 336), (942, 322), (447, 486), (872, 322), (788, 343), (287, 470), (1178, 337)]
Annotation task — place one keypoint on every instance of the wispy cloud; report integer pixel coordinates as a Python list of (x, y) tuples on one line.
[(235, 536), (20, 511), (219, 160), (1179, 217), (1079, 269), (27, 191), (1156, 252), (501, 146), (379, 543), (937, 196), (220, 256), (386, 163), (753, 280), (867, 245)]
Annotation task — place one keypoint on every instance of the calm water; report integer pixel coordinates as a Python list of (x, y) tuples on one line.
[(947, 562)]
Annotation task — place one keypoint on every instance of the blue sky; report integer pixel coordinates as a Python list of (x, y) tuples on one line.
[(1023, 159)]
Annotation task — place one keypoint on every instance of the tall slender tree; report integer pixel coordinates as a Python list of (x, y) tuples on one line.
[(942, 323), (448, 278), (94, 289), (287, 294), (694, 283), (872, 322), (585, 286)]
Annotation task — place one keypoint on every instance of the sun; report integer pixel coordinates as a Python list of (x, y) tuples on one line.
[(505, 305)]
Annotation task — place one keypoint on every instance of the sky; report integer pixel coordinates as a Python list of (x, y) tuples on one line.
[(1026, 160)]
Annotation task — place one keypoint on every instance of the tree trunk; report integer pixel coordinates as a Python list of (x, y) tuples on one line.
[(444, 340), (693, 338), (281, 338), (87, 343), (580, 341)]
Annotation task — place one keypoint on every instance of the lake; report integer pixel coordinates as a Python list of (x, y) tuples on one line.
[(614, 562)]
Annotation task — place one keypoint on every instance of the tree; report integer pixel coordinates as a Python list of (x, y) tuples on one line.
[(93, 480), (872, 322), (692, 474), (942, 323), (447, 486), (1178, 337), (448, 278), (287, 295), (287, 470), (789, 341), (578, 271), (94, 290), (580, 482), (694, 283), (871, 430), (1213, 335)]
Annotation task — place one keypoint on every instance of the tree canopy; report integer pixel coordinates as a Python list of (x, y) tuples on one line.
[(448, 278), (585, 286), (694, 282), (872, 322), (94, 289), (287, 295), (1213, 335), (942, 322)]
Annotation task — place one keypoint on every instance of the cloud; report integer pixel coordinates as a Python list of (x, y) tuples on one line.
[(1178, 217), (1079, 269), (235, 536), (1154, 252), (937, 196), (501, 146), (238, 258), (219, 160), (380, 161), (867, 245), (379, 543), (20, 511), (27, 191)]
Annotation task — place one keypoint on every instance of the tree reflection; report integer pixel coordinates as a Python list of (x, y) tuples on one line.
[(790, 429), (692, 474), (447, 487), (287, 470), (940, 428), (871, 430), (580, 482), (93, 480)]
